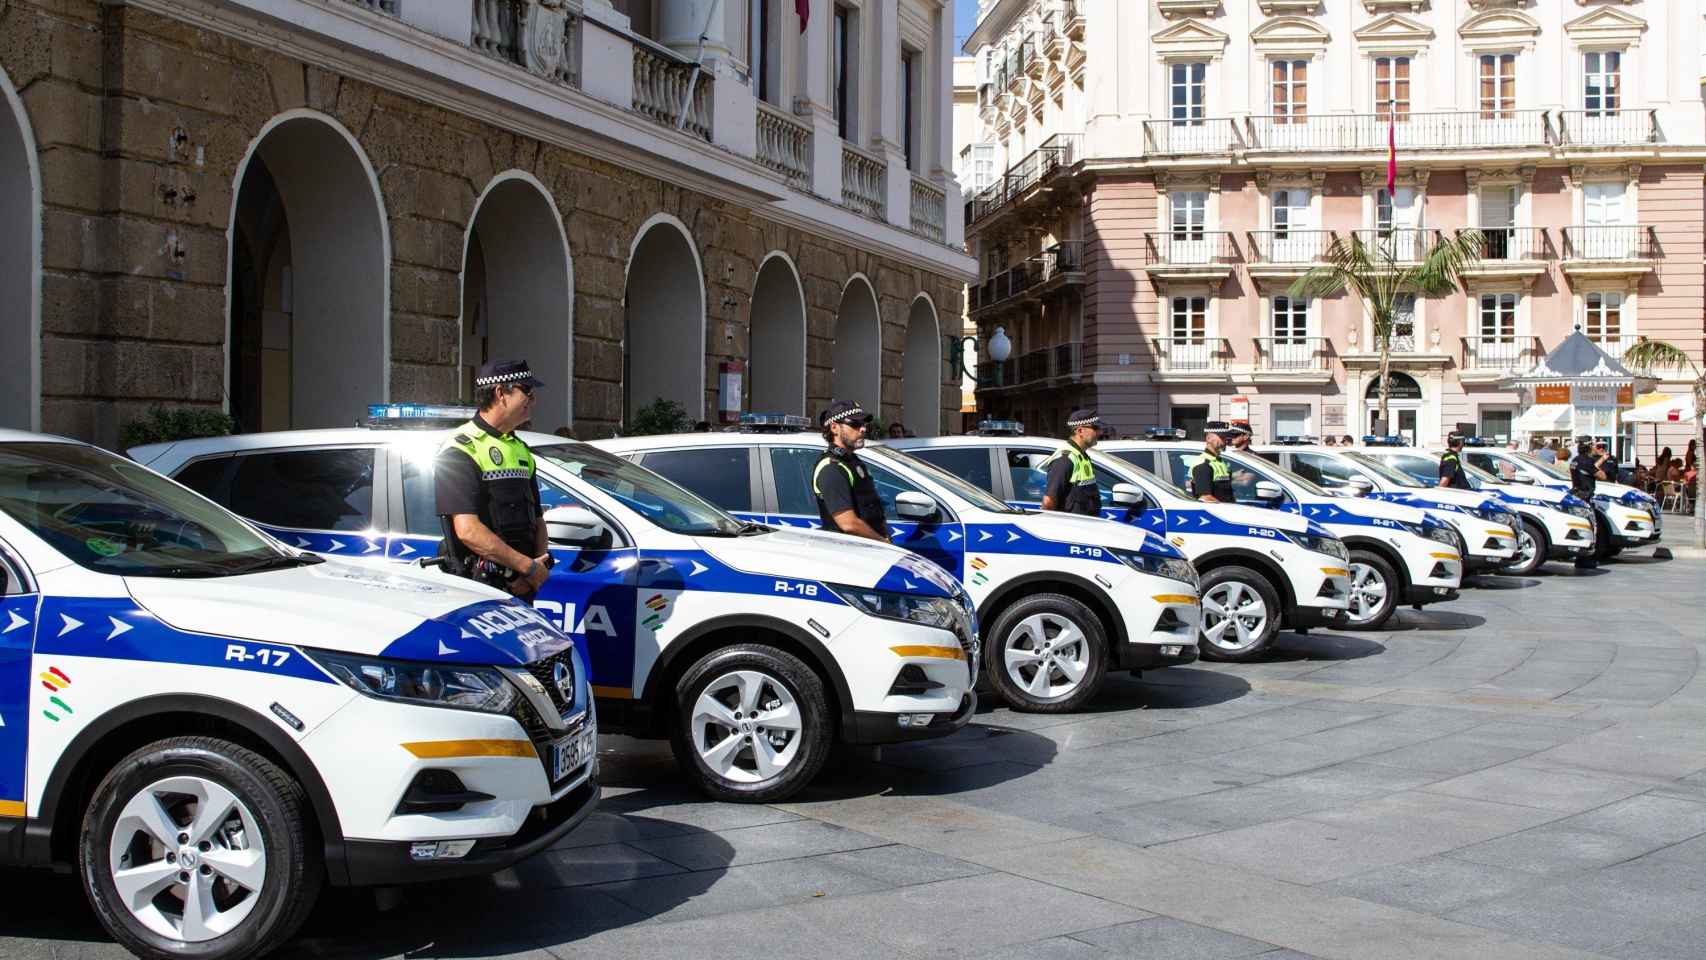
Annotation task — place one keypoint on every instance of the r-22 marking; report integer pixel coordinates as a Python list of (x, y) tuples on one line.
[(267, 656)]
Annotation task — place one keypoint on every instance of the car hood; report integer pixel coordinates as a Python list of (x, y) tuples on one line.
[(414, 615), (1322, 509), (817, 555), (1527, 493), (1425, 496), (1238, 513), (1072, 528)]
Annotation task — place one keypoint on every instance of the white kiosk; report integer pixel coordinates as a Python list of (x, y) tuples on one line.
[(1578, 390)]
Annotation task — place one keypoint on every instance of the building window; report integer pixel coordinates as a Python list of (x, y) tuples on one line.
[(1289, 420), (1190, 214), (842, 37), (1602, 203), (1404, 323), (908, 103), (1498, 317), (1188, 86), (1605, 318), (1496, 423), (1394, 211), (1290, 90), (758, 39), (1290, 212), (1290, 320), (1602, 87), (1392, 87), (1498, 86), (1190, 319)]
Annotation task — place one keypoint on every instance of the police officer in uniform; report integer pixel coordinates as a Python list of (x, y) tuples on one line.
[(486, 490), (1211, 476), (1584, 474), (1071, 486), (847, 498), (1451, 472)]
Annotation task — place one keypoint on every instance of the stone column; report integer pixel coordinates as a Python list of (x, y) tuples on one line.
[(680, 23)]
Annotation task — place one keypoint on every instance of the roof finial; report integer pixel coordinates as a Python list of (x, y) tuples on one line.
[(1578, 326)]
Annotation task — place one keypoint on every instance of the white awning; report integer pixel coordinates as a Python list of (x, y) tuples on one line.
[(1544, 418), (1677, 409)]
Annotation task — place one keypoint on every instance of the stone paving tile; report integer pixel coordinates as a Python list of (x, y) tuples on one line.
[(785, 933), (1550, 789), (1302, 851), (580, 866), (1054, 948), (706, 893), (1163, 938), (1442, 821), (774, 841), (1555, 848), (936, 824), (1662, 820), (1434, 884), (1450, 755)]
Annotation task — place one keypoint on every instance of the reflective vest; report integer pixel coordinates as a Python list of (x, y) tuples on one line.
[(1458, 478), (506, 483), (1220, 478), (1082, 494), (866, 504)]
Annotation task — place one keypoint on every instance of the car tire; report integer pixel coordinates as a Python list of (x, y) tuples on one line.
[(127, 852), (1532, 548), (719, 731), (1030, 636), (1375, 586), (1246, 590)]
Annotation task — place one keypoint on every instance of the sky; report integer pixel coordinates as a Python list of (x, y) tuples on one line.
[(965, 18)]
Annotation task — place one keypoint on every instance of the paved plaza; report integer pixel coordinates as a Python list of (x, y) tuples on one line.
[(1520, 774)]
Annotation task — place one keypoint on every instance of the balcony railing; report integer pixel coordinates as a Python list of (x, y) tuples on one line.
[(1007, 284), (1450, 129), (660, 88), (1607, 127), (1072, 18), (1290, 246), (864, 181), (929, 209), (1067, 256), (1291, 354), (1190, 354), (540, 39), (1404, 244), (784, 144), (1500, 353), (1057, 153), (1068, 359), (1179, 137), (382, 6), (1190, 248), (1034, 365), (1608, 242), (1504, 244), (1613, 344)]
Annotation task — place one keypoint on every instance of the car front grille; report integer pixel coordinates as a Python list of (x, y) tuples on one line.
[(542, 670)]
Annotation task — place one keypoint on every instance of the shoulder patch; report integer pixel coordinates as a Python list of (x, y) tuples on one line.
[(461, 440)]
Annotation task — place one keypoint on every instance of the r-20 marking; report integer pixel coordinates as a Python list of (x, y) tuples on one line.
[(266, 656)]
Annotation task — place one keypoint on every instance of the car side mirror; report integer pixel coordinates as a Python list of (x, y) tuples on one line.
[(1359, 487), (914, 506), (1269, 491), (1126, 495), (573, 526)]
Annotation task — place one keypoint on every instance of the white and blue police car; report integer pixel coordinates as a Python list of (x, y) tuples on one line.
[(1552, 524), (210, 725), (750, 649), (1259, 568), (1063, 599), (1625, 516), (1398, 554), (1487, 527)]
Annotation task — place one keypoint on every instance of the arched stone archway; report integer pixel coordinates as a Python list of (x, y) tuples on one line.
[(663, 352), (858, 346), (778, 335), (309, 325), (921, 371), (20, 266), (518, 293)]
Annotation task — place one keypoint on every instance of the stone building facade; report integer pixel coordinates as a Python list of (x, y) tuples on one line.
[(292, 218)]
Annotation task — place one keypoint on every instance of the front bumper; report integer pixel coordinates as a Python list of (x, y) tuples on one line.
[(874, 727), (1321, 586), (393, 862), (1314, 617), (1161, 620), (1417, 596)]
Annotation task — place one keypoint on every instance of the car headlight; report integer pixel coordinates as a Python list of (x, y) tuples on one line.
[(458, 686), (930, 611), (1331, 546), (1441, 533), (1173, 568), (1581, 510)]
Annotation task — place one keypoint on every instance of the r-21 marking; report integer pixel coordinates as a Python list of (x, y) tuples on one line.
[(266, 655)]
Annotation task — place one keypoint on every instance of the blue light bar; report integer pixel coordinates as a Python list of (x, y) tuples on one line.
[(1164, 433), (1000, 428), (1390, 440), (773, 423), (1296, 440), (419, 416)]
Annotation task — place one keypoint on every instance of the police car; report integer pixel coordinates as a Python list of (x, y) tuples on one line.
[(211, 725), (1398, 554), (1260, 568), (1625, 516), (1487, 528), (1063, 599), (750, 649), (1553, 524)]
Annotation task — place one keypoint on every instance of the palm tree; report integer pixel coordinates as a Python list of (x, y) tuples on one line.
[(1378, 280), (1647, 355)]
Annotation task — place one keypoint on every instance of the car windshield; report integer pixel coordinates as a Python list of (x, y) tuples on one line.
[(979, 498), (1125, 463), (1381, 469), (642, 491), (1263, 467), (1550, 469), (111, 515)]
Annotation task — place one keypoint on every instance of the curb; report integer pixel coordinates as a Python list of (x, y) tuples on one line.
[(1679, 553)]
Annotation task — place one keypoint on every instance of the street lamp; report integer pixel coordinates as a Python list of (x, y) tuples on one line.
[(1000, 348)]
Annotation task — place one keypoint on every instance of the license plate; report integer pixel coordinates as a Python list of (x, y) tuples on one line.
[(569, 753)]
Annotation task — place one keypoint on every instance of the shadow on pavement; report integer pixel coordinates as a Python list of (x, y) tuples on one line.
[(1322, 646), (1434, 619), (1175, 688), (50, 907), (1494, 581)]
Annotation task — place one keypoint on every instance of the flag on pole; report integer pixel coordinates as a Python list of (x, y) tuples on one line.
[(1391, 147), (804, 9)]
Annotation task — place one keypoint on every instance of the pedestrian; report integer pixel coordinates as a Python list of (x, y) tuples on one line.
[(1211, 478), (1346, 441), (1071, 484), (1451, 472), (486, 492), (1332, 441), (1604, 462), (1544, 451), (703, 426), (1690, 460), (897, 431), (1583, 472), (847, 500)]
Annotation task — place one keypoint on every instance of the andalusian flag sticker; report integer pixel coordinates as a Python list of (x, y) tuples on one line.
[(657, 603)]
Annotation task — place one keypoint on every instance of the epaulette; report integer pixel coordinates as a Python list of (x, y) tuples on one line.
[(462, 441)]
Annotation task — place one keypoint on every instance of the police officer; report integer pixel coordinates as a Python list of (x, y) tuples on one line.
[(847, 498), (1451, 472), (486, 491), (1584, 472), (1071, 485), (1211, 476)]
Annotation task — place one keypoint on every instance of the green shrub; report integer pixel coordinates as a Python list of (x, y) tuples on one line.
[(162, 425), (660, 416)]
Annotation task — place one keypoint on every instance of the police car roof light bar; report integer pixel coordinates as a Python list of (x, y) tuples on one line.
[(773, 423), (1296, 440), (1390, 440), (1000, 428), (1164, 433), (416, 416)]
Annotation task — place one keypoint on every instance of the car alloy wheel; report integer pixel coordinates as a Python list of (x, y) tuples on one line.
[(1369, 591), (746, 726), (1234, 616), (1046, 655)]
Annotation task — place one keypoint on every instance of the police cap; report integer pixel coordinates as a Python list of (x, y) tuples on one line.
[(844, 411), (1083, 418), (506, 373)]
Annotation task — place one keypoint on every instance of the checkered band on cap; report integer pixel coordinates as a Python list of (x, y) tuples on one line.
[(522, 374), (851, 413), (1083, 418)]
